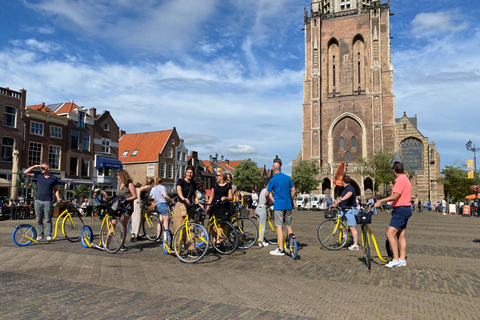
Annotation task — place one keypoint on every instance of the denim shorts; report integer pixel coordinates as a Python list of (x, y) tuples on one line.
[(400, 216), (349, 216), (162, 207)]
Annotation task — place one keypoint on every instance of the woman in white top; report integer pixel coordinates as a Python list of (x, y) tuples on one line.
[(159, 194)]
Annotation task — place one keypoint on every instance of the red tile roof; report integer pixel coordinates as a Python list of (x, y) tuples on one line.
[(41, 107), (67, 107), (207, 164), (148, 144)]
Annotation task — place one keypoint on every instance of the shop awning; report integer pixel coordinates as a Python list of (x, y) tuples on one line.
[(109, 163)]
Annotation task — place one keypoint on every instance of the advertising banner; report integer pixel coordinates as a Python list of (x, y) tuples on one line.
[(470, 168)]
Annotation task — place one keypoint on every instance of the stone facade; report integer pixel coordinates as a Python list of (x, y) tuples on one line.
[(348, 106)]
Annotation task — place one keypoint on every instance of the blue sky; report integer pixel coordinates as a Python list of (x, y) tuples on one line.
[(228, 73)]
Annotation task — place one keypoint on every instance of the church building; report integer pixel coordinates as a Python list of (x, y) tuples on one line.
[(349, 107)]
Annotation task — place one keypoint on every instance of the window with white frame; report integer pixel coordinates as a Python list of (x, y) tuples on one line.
[(185, 157), (56, 132), (36, 128), (170, 171), (74, 140), (54, 157), (106, 127), (106, 145), (150, 169), (8, 145), (134, 153), (125, 153), (9, 116), (169, 153), (85, 142), (34, 153), (85, 167), (179, 156), (105, 172), (162, 169), (73, 166)]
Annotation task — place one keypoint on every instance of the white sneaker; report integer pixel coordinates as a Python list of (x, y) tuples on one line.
[(49, 238), (353, 247), (263, 244), (403, 263), (394, 264), (39, 238), (277, 252), (444, 214)]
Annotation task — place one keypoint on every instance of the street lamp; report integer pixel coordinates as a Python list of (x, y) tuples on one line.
[(469, 148)]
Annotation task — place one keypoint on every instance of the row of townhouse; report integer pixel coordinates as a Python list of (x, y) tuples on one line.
[(80, 146)]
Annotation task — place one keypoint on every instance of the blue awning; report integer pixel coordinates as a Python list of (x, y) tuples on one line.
[(110, 163)]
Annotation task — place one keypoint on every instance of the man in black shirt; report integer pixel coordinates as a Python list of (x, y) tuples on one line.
[(349, 209)]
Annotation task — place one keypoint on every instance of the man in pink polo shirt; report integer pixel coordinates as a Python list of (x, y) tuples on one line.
[(401, 212)]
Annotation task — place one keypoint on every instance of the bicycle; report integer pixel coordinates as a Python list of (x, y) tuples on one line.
[(151, 225), (290, 245), (364, 219), (190, 242), (72, 225), (110, 239), (333, 234), (247, 231), (224, 230)]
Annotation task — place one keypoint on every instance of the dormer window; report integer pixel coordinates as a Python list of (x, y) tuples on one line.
[(106, 127), (125, 153), (81, 120), (134, 153)]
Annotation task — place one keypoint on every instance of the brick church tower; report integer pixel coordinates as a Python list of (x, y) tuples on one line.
[(348, 105)]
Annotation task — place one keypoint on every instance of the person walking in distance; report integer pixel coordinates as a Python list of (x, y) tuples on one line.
[(261, 212), (46, 184), (283, 191), (401, 212)]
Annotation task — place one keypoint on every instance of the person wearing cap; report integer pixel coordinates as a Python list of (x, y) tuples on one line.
[(401, 212), (46, 185)]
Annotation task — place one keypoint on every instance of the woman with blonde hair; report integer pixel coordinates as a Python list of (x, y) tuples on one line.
[(159, 194), (143, 193), (126, 189)]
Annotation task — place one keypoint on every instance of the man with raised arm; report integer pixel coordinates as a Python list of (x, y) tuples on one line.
[(283, 196), (401, 212), (46, 184)]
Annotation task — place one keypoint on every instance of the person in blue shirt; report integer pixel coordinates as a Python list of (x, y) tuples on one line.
[(283, 191), (46, 184)]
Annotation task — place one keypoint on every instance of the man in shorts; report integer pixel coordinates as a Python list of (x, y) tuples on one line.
[(348, 203), (283, 191), (401, 212)]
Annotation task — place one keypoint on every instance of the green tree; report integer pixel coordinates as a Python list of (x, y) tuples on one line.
[(455, 182), (247, 175), (81, 191), (305, 176), (381, 166)]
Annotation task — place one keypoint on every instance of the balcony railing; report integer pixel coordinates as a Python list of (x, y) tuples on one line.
[(10, 93)]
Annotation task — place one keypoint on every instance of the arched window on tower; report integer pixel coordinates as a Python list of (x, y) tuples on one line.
[(359, 65), (347, 156), (333, 67), (411, 150), (354, 142), (340, 143)]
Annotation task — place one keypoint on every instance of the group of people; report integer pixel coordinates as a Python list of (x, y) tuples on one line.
[(401, 212), (280, 192)]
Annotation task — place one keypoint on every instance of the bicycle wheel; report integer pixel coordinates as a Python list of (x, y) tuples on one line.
[(270, 235), (331, 236), (228, 237), (167, 242), (113, 235), (170, 223), (366, 248), (72, 226), (292, 246), (23, 234), (152, 227), (185, 242), (87, 236), (247, 233)]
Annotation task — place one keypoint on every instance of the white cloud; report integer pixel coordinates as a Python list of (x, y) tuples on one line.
[(425, 24), (153, 26), (33, 44), (241, 149)]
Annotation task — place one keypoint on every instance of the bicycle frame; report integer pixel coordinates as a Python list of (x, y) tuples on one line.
[(65, 214), (371, 239), (111, 229)]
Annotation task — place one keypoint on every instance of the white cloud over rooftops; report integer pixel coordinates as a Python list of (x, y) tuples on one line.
[(425, 24)]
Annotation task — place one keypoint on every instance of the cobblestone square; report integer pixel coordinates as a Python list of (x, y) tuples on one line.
[(63, 280)]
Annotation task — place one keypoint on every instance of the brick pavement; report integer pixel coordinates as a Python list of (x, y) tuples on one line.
[(65, 280)]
